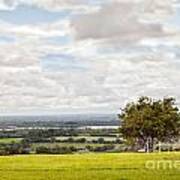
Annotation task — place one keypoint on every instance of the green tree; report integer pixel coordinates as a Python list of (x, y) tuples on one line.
[(148, 121)]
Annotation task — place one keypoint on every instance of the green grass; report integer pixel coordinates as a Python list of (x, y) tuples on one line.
[(125, 166), (9, 140)]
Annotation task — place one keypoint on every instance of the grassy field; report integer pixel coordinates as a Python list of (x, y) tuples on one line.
[(10, 140), (126, 166)]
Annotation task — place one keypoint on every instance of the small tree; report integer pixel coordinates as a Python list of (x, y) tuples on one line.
[(148, 121)]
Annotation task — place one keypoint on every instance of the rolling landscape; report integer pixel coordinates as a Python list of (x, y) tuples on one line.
[(58, 121), (89, 89), (87, 146)]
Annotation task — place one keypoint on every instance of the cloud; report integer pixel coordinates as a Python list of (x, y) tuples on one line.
[(123, 22), (109, 81), (51, 5), (128, 48), (59, 28)]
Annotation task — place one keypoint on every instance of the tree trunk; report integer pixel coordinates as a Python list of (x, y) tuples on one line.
[(149, 144)]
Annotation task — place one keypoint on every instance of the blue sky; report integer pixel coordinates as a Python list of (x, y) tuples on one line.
[(25, 14), (87, 55), (62, 62), (7, 39)]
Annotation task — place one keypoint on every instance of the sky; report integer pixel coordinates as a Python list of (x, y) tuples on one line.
[(69, 56)]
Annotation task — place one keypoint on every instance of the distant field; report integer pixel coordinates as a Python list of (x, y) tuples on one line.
[(125, 166), (9, 140)]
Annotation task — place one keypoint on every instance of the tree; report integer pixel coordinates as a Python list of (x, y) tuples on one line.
[(147, 121), (100, 140)]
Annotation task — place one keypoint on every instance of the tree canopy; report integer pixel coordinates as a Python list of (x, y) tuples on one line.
[(148, 121)]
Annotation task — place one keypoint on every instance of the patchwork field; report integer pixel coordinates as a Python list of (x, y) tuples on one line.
[(10, 140), (125, 166)]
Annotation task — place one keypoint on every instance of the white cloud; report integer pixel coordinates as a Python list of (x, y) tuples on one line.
[(124, 22), (60, 28), (50, 5), (144, 65)]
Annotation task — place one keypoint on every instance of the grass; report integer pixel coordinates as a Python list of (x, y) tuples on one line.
[(122, 166), (9, 140)]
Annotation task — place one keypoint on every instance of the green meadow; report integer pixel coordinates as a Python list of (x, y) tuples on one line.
[(109, 166), (10, 140)]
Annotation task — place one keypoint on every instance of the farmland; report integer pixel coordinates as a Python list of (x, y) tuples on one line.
[(9, 140), (107, 166)]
